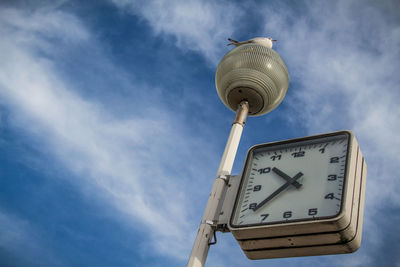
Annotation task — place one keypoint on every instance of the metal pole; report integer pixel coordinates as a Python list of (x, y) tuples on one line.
[(208, 223)]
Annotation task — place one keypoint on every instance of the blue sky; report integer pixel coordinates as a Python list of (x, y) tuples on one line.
[(111, 129)]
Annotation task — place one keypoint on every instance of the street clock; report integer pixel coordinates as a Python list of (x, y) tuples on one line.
[(298, 197), (301, 197)]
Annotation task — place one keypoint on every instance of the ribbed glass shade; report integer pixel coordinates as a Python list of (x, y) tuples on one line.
[(254, 73)]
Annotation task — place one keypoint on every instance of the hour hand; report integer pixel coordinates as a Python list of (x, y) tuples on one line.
[(286, 177)]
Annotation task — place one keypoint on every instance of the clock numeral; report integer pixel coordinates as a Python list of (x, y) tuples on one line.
[(334, 160), (287, 214), (322, 150), (252, 206), (298, 154), (257, 188), (276, 157), (312, 212), (264, 170), (332, 177), (264, 216)]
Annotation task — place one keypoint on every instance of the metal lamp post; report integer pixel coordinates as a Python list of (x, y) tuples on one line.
[(251, 80)]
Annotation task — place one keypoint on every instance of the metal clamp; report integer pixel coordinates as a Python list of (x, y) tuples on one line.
[(213, 224), (224, 177), (215, 240), (241, 113)]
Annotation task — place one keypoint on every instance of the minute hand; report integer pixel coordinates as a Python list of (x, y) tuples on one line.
[(280, 189)]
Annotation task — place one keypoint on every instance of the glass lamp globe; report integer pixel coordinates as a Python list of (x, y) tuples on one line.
[(254, 73)]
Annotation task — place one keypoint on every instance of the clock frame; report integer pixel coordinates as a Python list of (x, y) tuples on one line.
[(336, 234)]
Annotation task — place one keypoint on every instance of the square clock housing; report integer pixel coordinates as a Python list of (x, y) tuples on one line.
[(301, 197)]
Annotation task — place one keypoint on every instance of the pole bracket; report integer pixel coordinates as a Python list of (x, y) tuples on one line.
[(228, 202), (214, 226)]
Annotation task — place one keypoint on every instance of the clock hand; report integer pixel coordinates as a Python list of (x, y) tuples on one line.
[(277, 191), (286, 177)]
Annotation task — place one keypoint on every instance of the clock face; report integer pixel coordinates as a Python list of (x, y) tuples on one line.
[(296, 180)]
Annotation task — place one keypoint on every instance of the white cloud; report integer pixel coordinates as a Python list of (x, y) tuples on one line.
[(43, 24), (343, 58), (130, 164), (345, 79), (133, 164), (201, 26)]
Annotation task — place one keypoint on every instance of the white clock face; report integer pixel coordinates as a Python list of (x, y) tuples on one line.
[(292, 181)]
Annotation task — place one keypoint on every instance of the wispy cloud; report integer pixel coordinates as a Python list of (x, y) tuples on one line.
[(200, 26), (143, 165), (345, 76), (130, 164), (343, 57)]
